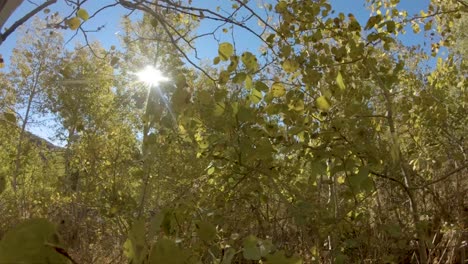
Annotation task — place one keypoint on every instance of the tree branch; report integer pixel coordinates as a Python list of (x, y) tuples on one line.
[(443, 177), (22, 20), (166, 28)]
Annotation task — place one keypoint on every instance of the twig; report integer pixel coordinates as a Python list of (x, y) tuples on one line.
[(443, 177), (146, 9), (22, 20)]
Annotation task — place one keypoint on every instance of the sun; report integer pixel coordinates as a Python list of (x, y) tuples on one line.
[(151, 76)]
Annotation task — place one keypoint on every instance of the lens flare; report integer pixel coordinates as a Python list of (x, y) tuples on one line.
[(151, 76)]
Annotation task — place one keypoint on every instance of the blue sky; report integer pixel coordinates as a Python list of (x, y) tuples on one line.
[(207, 47)]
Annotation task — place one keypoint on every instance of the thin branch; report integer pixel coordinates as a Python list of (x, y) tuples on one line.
[(86, 31), (22, 20), (257, 16), (433, 15), (443, 177), (163, 23), (214, 16), (462, 3), (380, 175), (32, 3)]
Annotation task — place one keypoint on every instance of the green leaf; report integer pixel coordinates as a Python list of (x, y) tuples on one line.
[(261, 86), (180, 99), (206, 231), (391, 26), (233, 64), (2, 183), (251, 249), (373, 21), (245, 114), (290, 66), (114, 61), (219, 109), (278, 90), (250, 61), (354, 25), (168, 225), (263, 148), (167, 251), (357, 179), (155, 224), (270, 38), (31, 241), (297, 105), (239, 78), (281, 6), (225, 51), (340, 258), (266, 247), (204, 97), (10, 117), (135, 246), (224, 77), (128, 249), (322, 104), (228, 256), (279, 258), (154, 22), (339, 81)]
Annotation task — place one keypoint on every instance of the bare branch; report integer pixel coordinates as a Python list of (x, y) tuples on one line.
[(450, 173), (22, 20), (168, 32)]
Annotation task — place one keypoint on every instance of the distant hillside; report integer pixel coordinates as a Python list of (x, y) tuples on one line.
[(38, 141), (42, 142)]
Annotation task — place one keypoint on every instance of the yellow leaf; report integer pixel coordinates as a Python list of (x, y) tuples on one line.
[(83, 14), (256, 96), (113, 210), (290, 65), (322, 104), (223, 77), (277, 90), (211, 170), (341, 180), (339, 81), (415, 27), (297, 105), (248, 82), (225, 50), (219, 109), (250, 61), (73, 23), (428, 25)]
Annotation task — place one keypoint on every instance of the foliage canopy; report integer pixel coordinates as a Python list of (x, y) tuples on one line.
[(328, 138)]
